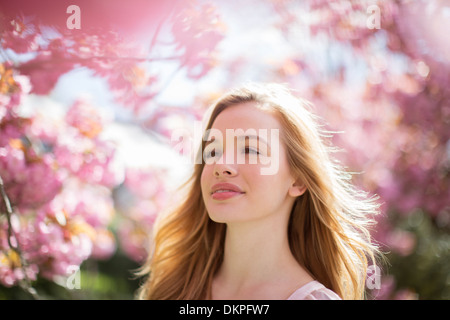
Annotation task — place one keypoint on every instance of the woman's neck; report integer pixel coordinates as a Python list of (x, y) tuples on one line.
[(257, 257)]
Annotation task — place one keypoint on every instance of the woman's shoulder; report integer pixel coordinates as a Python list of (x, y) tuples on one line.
[(313, 290)]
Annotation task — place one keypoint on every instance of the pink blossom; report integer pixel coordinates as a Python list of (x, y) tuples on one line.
[(19, 36), (197, 31), (21, 176), (104, 244), (406, 294), (60, 243), (386, 289), (11, 268), (402, 242), (134, 240), (143, 184), (85, 118), (145, 198), (43, 72), (99, 167)]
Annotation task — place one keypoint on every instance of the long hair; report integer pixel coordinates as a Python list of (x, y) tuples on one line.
[(328, 228)]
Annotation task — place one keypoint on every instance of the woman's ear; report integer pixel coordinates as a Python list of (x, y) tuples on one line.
[(297, 189)]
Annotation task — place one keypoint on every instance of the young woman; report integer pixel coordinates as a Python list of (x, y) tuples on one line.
[(267, 213)]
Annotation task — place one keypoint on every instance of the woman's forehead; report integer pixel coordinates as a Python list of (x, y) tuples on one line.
[(246, 116)]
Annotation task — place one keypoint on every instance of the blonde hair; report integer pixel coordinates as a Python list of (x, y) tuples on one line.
[(329, 224)]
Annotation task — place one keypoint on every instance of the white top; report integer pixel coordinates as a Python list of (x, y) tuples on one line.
[(314, 290)]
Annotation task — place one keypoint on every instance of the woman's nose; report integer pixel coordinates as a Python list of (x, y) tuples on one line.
[(218, 173), (222, 168)]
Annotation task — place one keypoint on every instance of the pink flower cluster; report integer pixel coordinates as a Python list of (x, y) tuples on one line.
[(19, 36), (197, 31), (12, 269), (59, 177), (141, 198), (60, 235), (22, 172)]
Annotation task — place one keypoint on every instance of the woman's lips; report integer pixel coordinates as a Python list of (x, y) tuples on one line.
[(223, 191), (224, 195)]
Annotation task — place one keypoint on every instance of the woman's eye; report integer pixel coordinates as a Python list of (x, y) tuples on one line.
[(251, 150), (211, 154)]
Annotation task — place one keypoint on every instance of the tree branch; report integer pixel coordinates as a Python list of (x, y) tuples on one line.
[(25, 283)]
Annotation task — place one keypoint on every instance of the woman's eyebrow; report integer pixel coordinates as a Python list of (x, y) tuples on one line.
[(253, 137), (241, 137)]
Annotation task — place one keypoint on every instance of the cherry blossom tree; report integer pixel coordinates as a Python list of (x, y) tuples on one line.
[(376, 71), (58, 171)]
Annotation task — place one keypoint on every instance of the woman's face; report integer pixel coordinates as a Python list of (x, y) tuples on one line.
[(240, 145)]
